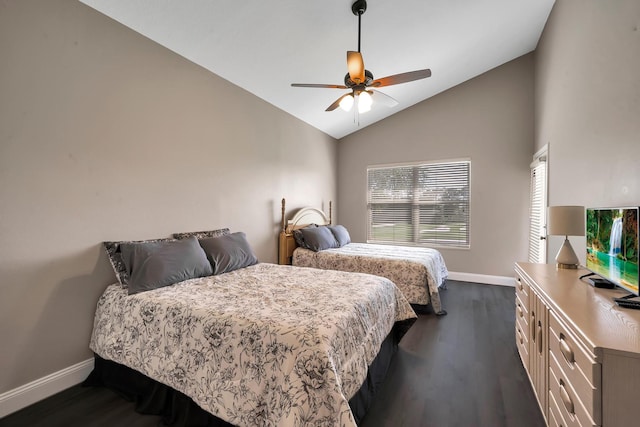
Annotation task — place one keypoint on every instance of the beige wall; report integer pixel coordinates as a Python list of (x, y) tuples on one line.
[(587, 92), (105, 135), (488, 119)]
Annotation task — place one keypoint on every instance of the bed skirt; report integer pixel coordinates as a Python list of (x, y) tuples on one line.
[(178, 410)]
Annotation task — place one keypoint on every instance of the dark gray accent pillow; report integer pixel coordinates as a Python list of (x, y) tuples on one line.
[(297, 234), (153, 265), (229, 252), (318, 238), (115, 257), (201, 234), (341, 234)]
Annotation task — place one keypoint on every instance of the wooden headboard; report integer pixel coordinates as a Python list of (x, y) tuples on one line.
[(302, 218)]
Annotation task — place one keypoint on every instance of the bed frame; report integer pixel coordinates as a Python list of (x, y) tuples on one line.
[(302, 218)]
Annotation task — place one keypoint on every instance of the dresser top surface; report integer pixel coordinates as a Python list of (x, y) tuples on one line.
[(590, 312)]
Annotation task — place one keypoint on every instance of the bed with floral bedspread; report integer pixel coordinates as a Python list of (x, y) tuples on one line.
[(418, 272), (262, 345)]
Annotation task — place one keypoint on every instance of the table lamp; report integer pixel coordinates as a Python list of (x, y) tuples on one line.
[(566, 221)]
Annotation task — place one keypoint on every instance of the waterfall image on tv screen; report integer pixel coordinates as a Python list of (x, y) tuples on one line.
[(612, 245)]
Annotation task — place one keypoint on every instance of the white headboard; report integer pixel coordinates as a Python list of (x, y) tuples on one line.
[(305, 216)]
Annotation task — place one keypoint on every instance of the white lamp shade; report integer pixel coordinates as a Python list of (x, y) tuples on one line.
[(364, 102), (347, 102), (566, 221)]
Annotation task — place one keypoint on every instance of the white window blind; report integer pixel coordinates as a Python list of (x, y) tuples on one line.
[(537, 211), (419, 204)]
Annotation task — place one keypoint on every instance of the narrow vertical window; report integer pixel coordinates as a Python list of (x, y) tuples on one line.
[(538, 208), (422, 204)]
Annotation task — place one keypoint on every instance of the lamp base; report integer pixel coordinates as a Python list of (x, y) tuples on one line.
[(560, 265), (566, 257)]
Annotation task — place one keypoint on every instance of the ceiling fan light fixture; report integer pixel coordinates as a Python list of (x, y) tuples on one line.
[(358, 79), (347, 102), (364, 102)]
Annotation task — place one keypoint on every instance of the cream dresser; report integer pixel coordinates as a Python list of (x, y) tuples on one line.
[(580, 350)]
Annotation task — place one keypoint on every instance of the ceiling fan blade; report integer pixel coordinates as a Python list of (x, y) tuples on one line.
[(401, 78), (383, 98), (336, 103), (319, 85), (355, 65)]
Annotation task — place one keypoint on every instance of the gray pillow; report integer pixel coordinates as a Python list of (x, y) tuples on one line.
[(318, 238), (229, 252), (113, 250), (341, 234), (297, 235), (152, 265)]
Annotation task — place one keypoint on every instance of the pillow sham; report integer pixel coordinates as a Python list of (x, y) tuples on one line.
[(341, 234), (318, 238), (113, 250), (228, 252), (153, 265), (201, 234), (297, 234)]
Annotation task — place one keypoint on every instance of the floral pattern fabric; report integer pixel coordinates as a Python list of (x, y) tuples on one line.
[(267, 345), (418, 272)]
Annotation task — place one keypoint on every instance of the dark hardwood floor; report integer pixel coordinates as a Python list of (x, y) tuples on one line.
[(461, 369)]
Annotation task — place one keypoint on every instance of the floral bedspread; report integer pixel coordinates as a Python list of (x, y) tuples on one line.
[(418, 272), (267, 345)]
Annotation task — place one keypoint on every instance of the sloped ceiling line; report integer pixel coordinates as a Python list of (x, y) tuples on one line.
[(264, 46)]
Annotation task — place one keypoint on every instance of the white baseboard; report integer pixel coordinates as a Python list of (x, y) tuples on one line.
[(28, 394), (482, 278)]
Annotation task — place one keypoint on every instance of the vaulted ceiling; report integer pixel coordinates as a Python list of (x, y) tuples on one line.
[(264, 46)]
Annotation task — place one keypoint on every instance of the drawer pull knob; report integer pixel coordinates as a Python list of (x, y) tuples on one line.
[(566, 351), (566, 399), (520, 312), (519, 283)]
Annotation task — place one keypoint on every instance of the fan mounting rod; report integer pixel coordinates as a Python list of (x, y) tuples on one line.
[(358, 8)]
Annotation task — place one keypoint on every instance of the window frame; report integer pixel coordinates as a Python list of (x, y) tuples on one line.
[(416, 203)]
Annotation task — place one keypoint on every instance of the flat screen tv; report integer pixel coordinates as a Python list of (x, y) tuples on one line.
[(612, 245)]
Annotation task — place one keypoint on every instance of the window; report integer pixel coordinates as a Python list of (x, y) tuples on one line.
[(537, 208), (419, 204)]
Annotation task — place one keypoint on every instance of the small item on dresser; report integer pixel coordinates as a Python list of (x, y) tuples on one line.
[(626, 302), (599, 282)]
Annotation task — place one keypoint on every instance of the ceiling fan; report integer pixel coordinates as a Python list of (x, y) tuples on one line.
[(361, 81)]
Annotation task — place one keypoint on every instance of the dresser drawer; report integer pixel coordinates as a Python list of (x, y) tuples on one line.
[(522, 317), (569, 404), (555, 418), (522, 290), (577, 366), (522, 311), (522, 343), (522, 331), (523, 323)]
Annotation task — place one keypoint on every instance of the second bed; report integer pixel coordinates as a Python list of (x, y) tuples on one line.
[(418, 272)]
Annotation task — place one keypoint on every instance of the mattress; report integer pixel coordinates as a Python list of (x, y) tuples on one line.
[(262, 345)]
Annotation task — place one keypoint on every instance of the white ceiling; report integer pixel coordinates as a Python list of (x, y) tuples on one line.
[(264, 46)]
